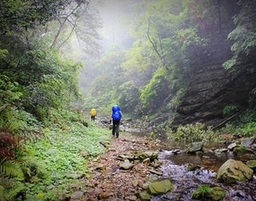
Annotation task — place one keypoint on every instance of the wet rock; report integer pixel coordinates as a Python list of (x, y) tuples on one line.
[(220, 151), (217, 193), (160, 187), (126, 165), (232, 171), (152, 155), (192, 167), (239, 150), (251, 164), (232, 146), (176, 151), (247, 142), (195, 147), (144, 196)]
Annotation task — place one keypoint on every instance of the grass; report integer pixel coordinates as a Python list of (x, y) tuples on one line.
[(59, 159)]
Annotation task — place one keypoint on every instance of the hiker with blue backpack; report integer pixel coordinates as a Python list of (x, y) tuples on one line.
[(116, 118)]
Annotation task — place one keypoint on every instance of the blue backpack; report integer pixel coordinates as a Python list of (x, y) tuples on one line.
[(116, 113)]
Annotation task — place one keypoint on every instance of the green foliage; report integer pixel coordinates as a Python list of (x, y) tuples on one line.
[(3, 53), (153, 93), (204, 190), (62, 153), (249, 129), (194, 133), (11, 169), (244, 35), (18, 15), (175, 100), (129, 98), (229, 110), (11, 176), (9, 91)]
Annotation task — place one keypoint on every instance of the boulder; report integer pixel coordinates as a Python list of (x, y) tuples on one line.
[(160, 187), (195, 147), (247, 142), (239, 150), (232, 171)]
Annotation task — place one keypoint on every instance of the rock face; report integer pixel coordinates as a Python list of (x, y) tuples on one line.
[(210, 90), (232, 171)]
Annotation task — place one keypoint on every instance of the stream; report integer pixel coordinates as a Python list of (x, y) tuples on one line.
[(175, 168), (185, 182), (175, 163)]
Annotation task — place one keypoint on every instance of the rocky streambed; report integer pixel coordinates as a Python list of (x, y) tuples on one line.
[(140, 168)]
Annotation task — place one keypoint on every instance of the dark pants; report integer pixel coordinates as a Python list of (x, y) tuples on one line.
[(92, 118), (115, 129)]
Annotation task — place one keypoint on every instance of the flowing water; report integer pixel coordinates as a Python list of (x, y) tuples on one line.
[(185, 182), (175, 167)]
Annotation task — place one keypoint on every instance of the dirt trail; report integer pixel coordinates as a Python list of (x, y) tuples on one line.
[(108, 181)]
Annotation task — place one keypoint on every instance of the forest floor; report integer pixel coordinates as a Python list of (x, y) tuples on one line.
[(107, 181)]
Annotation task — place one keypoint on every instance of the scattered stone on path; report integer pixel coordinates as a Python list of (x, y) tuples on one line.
[(126, 165), (144, 196)]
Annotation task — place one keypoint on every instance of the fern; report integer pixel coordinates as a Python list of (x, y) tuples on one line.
[(11, 169), (9, 189)]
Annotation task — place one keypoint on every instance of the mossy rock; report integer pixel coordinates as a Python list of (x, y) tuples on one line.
[(251, 164), (232, 171), (239, 150), (217, 193), (144, 196), (214, 194), (160, 187)]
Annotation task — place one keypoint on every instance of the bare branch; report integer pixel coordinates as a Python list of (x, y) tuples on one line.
[(62, 25), (154, 44)]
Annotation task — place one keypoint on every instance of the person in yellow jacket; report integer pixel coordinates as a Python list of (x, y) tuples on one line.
[(93, 114)]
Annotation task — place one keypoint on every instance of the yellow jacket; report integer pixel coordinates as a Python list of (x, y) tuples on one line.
[(93, 112)]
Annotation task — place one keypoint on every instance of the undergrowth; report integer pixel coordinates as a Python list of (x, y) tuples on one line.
[(245, 125), (194, 133), (50, 167)]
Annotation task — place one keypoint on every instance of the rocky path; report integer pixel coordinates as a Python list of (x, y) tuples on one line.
[(109, 181)]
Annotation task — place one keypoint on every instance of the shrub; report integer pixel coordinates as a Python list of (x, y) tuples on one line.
[(194, 132), (229, 110)]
